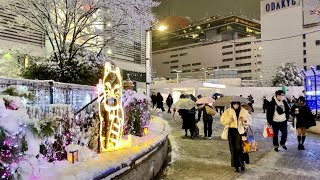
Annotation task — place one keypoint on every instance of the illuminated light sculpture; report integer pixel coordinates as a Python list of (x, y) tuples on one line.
[(110, 108)]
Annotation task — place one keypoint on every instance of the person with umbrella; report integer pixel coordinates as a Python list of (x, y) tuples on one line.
[(237, 119), (187, 112), (208, 112)]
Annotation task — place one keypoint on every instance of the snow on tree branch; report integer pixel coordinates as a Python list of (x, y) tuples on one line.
[(288, 74), (72, 24)]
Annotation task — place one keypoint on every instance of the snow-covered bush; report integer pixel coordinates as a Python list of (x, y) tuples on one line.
[(137, 112), (288, 74)]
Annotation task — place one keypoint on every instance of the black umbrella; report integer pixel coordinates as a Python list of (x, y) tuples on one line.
[(190, 96), (216, 94)]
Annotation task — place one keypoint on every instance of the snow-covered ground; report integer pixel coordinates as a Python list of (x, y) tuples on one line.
[(202, 159), (158, 131)]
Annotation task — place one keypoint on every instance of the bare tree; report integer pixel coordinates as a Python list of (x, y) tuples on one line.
[(73, 25)]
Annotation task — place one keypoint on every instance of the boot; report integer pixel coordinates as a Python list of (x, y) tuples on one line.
[(237, 169)]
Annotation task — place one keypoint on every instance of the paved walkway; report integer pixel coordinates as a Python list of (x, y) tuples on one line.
[(201, 159)]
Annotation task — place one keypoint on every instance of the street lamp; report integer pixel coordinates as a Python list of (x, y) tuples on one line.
[(148, 56), (205, 74), (177, 72)]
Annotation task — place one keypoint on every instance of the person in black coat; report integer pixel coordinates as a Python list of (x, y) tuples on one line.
[(160, 102), (188, 119), (303, 120), (169, 103), (153, 99), (265, 104), (207, 122), (278, 113)]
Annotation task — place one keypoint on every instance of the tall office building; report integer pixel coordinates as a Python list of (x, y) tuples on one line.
[(290, 33), (207, 46)]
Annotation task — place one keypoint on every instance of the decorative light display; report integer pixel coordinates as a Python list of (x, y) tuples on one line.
[(312, 88), (72, 156), (110, 108)]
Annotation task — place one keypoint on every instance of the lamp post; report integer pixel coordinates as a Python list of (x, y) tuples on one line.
[(177, 72), (205, 74), (148, 56), (148, 60)]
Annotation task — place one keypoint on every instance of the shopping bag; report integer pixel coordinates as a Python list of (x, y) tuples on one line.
[(210, 111), (225, 132), (268, 131), (249, 144)]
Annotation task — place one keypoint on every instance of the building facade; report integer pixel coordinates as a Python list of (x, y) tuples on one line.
[(290, 32), (217, 43)]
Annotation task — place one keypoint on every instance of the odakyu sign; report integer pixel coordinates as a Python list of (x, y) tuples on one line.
[(269, 6)]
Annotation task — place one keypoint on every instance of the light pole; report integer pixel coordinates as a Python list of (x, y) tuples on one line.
[(177, 72), (148, 60), (148, 56), (205, 74)]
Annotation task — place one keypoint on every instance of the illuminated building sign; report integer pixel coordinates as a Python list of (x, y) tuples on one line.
[(276, 5)]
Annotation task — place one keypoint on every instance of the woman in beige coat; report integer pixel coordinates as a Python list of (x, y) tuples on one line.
[(237, 119)]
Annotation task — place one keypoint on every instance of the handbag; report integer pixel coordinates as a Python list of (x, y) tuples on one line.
[(225, 132), (268, 132), (279, 110), (210, 110), (249, 144)]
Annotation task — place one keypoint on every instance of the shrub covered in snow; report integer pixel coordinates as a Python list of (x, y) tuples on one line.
[(288, 74), (137, 112)]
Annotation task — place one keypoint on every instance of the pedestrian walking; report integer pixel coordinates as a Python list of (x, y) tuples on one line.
[(188, 119), (265, 104), (303, 120), (199, 106), (159, 100), (251, 102), (153, 99), (169, 102), (207, 120), (237, 119), (277, 115)]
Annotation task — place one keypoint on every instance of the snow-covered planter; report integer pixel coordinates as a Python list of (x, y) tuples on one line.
[(137, 112)]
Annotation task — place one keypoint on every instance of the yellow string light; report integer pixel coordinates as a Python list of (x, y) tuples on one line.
[(110, 135)]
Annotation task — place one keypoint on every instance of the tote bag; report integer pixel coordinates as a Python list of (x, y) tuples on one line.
[(225, 132), (210, 111), (249, 144)]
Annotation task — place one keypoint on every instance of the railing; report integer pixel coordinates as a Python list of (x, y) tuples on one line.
[(50, 92)]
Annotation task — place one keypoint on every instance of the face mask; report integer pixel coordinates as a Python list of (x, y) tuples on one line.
[(235, 106)]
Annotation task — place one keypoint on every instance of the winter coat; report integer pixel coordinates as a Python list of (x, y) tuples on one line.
[(265, 103), (159, 101), (205, 115), (229, 119), (154, 98), (188, 118), (305, 118), (272, 108), (169, 101)]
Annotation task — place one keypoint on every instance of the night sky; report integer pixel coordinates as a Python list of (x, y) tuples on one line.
[(197, 9)]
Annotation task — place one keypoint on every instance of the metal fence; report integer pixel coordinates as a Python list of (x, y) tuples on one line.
[(50, 92)]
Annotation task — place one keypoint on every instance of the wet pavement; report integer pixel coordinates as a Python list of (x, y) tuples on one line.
[(202, 159)]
